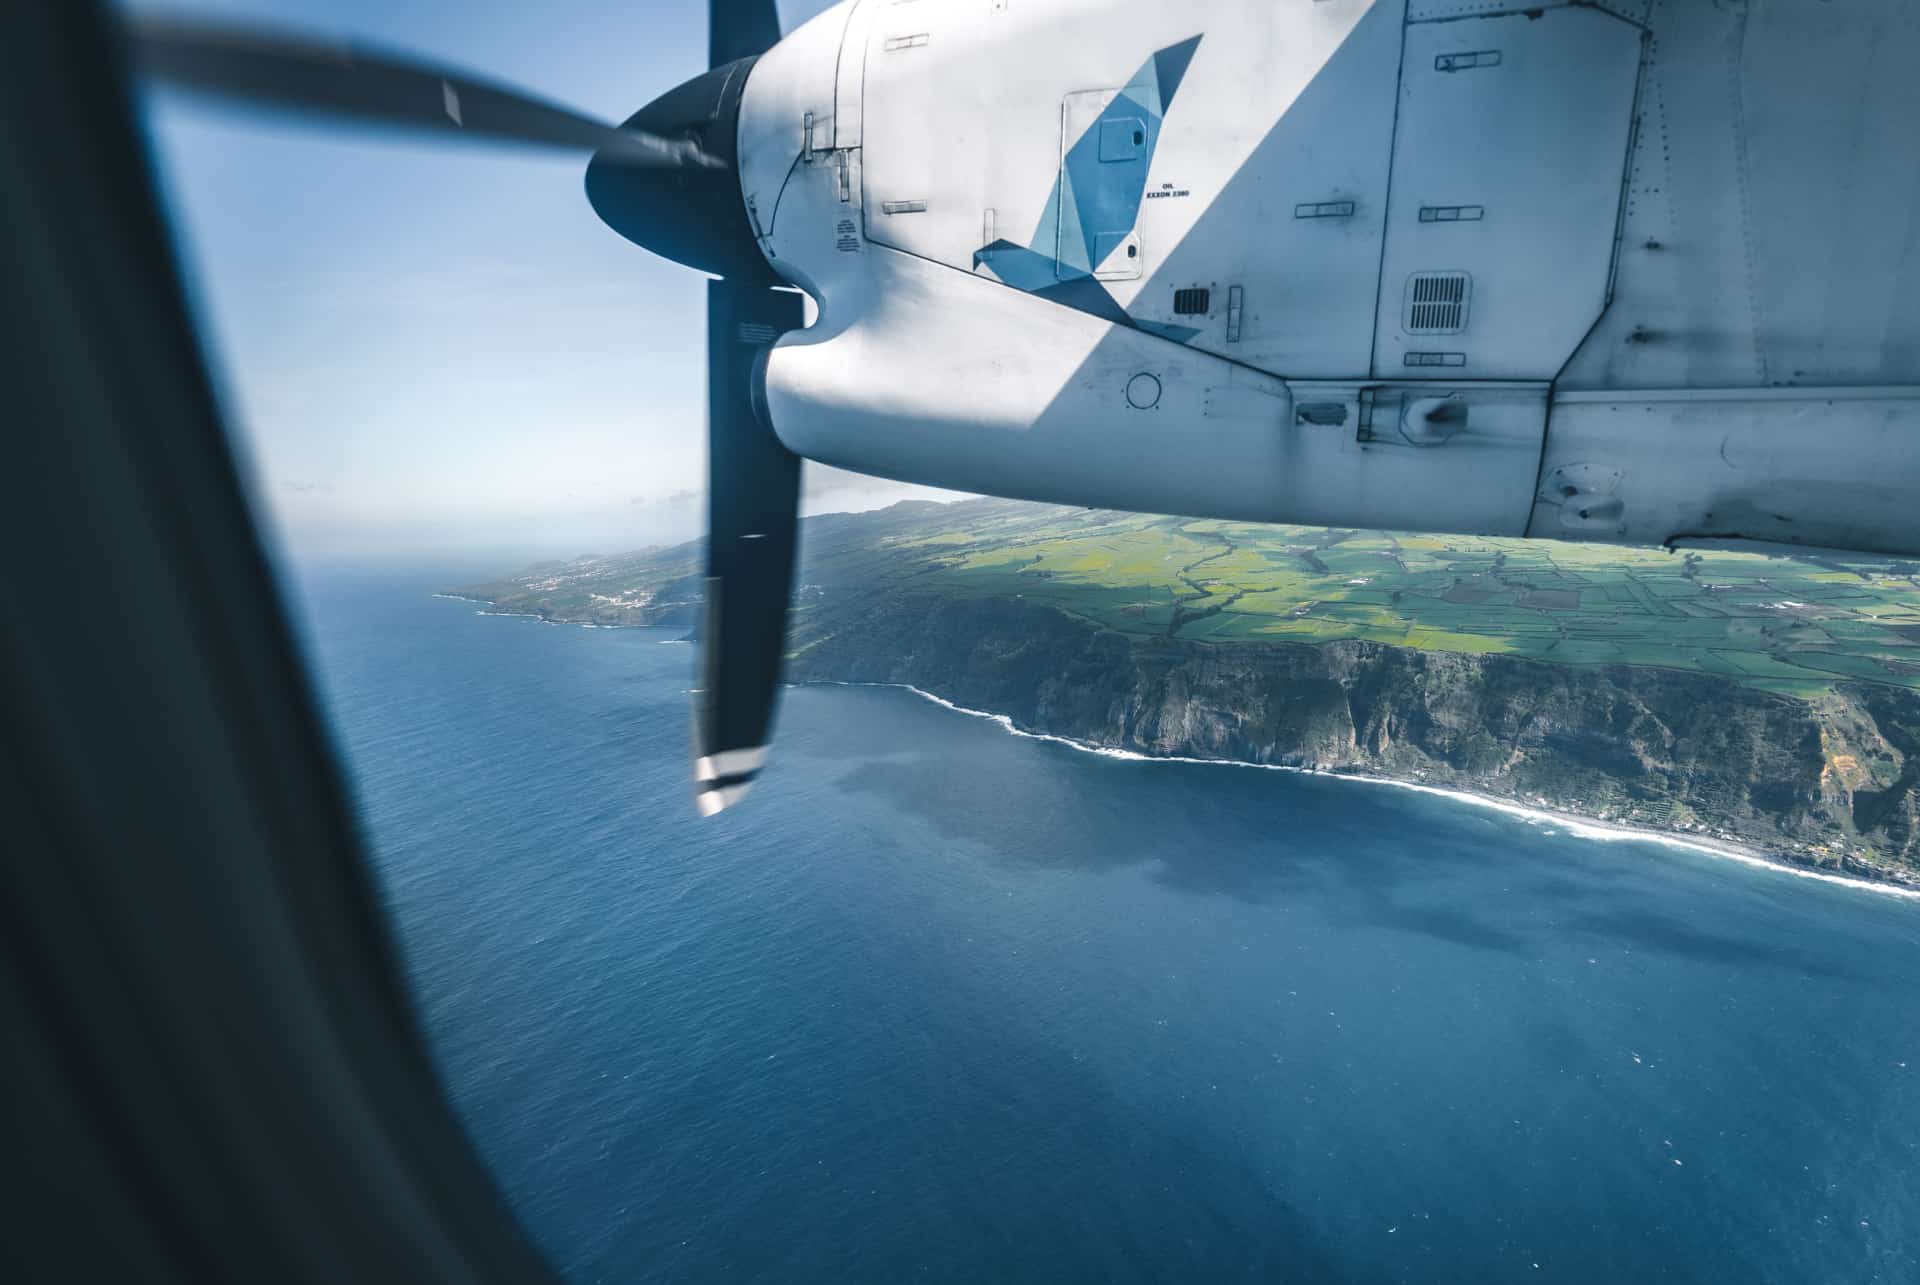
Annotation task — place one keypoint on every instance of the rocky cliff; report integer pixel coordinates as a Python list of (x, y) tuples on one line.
[(1829, 782)]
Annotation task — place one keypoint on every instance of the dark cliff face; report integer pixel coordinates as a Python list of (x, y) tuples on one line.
[(1830, 782)]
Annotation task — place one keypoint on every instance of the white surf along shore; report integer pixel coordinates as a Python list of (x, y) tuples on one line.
[(486, 609), (1571, 823)]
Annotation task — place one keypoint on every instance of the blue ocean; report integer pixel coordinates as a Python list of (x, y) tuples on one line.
[(942, 1003)]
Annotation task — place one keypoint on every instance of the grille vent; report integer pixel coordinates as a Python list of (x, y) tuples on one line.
[(1193, 301), (1437, 302)]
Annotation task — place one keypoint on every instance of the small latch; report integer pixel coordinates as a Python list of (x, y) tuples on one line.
[(1323, 210), (753, 217), (1452, 213), (1467, 61)]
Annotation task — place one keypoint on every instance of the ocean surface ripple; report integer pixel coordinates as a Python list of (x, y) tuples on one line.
[(939, 1003)]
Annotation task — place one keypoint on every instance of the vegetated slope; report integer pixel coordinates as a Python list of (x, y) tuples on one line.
[(1771, 700)]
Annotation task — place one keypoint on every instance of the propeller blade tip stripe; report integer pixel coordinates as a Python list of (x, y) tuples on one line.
[(715, 798), (715, 767)]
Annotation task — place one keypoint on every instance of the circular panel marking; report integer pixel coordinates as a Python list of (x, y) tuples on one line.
[(1143, 391)]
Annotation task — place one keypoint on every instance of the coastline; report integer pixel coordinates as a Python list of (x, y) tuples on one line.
[(1572, 822), (486, 609)]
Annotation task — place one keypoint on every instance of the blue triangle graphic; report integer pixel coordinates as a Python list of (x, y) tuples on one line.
[(1170, 68)]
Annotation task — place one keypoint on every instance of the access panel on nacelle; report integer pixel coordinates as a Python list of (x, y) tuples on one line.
[(1214, 173), (1508, 166)]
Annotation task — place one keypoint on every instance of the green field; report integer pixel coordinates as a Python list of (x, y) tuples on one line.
[(1790, 624)]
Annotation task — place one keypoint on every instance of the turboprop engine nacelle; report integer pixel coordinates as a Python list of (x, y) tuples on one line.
[(922, 372), (1337, 263), (947, 379)]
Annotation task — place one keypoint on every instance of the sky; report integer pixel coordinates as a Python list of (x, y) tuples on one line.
[(427, 348)]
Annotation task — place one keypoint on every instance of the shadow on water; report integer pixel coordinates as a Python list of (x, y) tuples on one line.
[(1452, 926), (1368, 856), (870, 1027), (1649, 930), (1047, 820)]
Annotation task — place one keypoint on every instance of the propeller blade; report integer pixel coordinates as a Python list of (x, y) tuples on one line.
[(753, 505), (349, 84), (740, 29)]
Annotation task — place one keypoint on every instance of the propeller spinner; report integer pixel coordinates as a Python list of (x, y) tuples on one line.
[(666, 180)]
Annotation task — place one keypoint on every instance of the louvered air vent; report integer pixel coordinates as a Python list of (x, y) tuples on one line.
[(1192, 301), (1437, 302)]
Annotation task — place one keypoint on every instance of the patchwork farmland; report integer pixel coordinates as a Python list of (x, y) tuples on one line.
[(1789, 624)]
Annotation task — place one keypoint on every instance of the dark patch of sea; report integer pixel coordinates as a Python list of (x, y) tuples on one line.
[(942, 1003)]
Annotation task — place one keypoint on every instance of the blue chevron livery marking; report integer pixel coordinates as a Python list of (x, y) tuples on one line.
[(1096, 200)]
